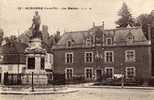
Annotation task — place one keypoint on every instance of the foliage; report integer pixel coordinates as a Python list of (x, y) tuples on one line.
[(125, 17), (144, 20), (1, 36), (10, 40)]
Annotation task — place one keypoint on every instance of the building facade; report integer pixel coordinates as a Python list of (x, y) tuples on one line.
[(13, 62), (98, 53)]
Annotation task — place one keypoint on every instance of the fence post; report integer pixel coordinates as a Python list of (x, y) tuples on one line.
[(32, 82)]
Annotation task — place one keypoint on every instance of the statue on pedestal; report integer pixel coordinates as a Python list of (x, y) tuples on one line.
[(36, 33)]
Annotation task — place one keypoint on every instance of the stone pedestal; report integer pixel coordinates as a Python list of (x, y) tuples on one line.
[(35, 62)]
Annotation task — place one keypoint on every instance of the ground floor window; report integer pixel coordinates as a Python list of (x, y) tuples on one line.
[(109, 72), (69, 73), (88, 73), (130, 72), (0, 77), (0, 73)]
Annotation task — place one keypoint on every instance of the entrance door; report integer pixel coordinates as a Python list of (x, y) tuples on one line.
[(98, 74)]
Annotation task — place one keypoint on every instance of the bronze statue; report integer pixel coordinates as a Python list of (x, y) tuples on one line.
[(36, 25)]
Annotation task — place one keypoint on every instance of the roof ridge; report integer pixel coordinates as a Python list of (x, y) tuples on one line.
[(76, 31)]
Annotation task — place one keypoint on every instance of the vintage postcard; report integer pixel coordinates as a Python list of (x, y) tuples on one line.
[(76, 49)]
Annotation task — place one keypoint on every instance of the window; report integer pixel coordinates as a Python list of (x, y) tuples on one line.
[(88, 73), (69, 43), (10, 68), (0, 73), (108, 41), (42, 63), (0, 69), (31, 63), (23, 69), (109, 72), (109, 56), (130, 38), (129, 55), (88, 57), (130, 72), (69, 57), (88, 42), (49, 58), (69, 73), (1, 58)]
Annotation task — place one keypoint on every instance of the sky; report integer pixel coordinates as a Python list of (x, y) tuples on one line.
[(15, 21)]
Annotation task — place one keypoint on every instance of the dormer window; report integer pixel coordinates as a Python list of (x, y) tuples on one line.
[(88, 42), (69, 43), (130, 38), (109, 41)]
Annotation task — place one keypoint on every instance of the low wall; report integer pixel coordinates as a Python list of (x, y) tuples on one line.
[(38, 79)]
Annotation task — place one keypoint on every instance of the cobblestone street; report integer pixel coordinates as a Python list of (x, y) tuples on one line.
[(90, 94)]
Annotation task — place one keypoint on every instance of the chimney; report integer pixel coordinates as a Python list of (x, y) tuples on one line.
[(58, 33), (103, 24), (93, 24), (149, 32)]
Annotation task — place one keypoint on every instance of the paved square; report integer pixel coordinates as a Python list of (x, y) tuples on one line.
[(90, 94)]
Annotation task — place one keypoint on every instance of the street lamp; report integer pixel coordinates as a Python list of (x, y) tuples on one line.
[(122, 78)]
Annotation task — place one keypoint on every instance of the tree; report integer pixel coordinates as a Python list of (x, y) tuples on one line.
[(11, 40), (144, 20), (126, 17), (1, 36)]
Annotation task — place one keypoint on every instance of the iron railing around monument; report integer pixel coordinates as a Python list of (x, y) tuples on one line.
[(26, 79)]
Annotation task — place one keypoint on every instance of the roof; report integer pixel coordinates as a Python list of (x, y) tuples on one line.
[(77, 36), (122, 33), (13, 53), (118, 34)]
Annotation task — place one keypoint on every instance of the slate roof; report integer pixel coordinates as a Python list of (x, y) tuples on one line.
[(119, 34), (77, 36), (13, 53)]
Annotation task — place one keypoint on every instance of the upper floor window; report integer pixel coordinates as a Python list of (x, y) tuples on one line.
[(109, 57), (49, 58), (88, 57), (69, 43), (69, 57), (130, 72), (88, 42), (130, 55), (108, 41), (130, 37)]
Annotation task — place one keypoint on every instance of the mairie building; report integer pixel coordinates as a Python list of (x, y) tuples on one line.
[(100, 53)]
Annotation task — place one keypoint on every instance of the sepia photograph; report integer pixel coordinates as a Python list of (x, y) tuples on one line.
[(76, 49)]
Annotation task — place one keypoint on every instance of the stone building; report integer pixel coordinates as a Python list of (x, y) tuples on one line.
[(99, 52), (13, 61)]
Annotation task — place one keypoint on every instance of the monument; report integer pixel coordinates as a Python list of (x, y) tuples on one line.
[(35, 55)]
